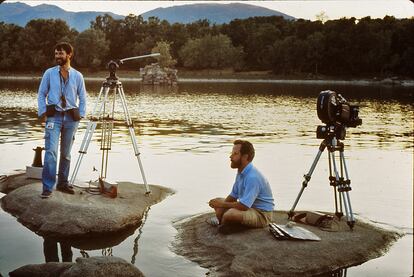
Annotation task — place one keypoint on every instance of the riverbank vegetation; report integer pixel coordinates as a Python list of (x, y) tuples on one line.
[(343, 48)]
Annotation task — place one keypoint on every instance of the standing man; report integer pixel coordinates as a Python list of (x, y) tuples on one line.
[(250, 201), (62, 103)]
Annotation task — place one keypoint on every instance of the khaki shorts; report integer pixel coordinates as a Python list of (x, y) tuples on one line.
[(256, 218)]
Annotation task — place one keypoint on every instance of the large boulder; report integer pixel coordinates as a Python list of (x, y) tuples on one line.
[(256, 252), (91, 267), (13, 181), (82, 214)]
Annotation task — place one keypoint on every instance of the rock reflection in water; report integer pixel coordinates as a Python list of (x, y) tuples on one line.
[(104, 242)]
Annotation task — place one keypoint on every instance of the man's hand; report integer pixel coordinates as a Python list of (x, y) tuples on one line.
[(42, 118), (227, 203), (216, 203)]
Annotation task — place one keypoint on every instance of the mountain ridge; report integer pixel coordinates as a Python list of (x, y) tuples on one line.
[(20, 13), (227, 12)]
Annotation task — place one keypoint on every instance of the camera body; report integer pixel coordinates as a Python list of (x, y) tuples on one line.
[(336, 113), (333, 109)]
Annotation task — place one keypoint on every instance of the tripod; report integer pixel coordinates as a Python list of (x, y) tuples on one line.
[(104, 113), (341, 186)]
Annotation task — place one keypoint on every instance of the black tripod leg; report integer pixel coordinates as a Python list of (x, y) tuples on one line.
[(307, 177)]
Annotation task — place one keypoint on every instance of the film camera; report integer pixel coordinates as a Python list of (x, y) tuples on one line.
[(337, 114)]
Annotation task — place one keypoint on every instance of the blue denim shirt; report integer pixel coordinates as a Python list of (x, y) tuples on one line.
[(53, 86), (252, 189)]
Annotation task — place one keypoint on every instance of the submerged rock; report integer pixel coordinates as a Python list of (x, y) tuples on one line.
[(82, 214), (93, 267), (256, 252)]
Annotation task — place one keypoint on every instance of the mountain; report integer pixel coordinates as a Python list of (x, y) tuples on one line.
[(215, 13), (20, 13)]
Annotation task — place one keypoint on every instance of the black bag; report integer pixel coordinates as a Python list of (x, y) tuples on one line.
[(50, 110), (75, 114)]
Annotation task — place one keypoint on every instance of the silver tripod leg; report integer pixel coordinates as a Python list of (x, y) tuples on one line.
[(132, 134), (90, 129), (347, 185), (342, 191), (305, 182)]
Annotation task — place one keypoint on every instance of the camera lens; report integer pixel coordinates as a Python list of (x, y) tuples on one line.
[(327, 106)]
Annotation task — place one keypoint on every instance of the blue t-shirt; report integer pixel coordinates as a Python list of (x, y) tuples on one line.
[(252, 189)]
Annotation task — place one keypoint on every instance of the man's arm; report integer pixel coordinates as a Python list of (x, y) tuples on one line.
[(251, 192), (228, 203), (41, 96), (82, 97)]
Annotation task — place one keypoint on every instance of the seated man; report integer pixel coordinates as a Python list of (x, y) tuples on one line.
[(250, 202)]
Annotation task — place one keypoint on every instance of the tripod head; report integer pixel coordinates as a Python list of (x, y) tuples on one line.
[(113, 65), (331, 130)]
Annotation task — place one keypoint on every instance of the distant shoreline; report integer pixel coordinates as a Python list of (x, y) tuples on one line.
[(226, 76), (243, 79)]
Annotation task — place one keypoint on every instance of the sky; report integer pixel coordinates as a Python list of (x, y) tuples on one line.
[(307, 9)]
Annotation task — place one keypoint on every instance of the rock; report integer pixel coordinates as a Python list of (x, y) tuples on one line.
[(91, 267), (83, 214), (155, 75), (256, 252), (11, 182)]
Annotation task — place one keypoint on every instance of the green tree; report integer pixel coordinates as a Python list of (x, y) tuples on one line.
[(340, 49), (289, 55), (258, 45), (177, 36), (315, 51), (112, 29), (165, 59), (199, 28), (211, 52), (9, 50), (91, 48), (256, 36), (38, 39)]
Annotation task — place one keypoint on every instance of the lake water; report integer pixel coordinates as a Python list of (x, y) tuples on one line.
[(185, 135)]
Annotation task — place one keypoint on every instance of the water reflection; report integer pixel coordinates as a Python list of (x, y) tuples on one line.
[(86, 245), (19, 126), (214, 113), (204, 118), (50, 250)]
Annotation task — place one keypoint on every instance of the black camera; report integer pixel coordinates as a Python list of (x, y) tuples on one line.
[(333, 109), (336, 113)]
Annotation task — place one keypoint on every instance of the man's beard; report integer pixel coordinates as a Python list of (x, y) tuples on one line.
[(61, 61), (235, 164)]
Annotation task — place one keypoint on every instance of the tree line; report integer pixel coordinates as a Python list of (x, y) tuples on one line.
[(343, 47)]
